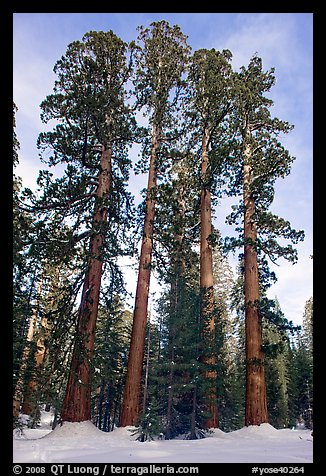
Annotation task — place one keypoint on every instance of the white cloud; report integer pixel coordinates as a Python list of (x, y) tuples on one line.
[(294, 287), (33, 81), (271, 35)]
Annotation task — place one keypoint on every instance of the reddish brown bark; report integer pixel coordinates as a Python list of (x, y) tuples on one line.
[(206, 286), (77, 401), (131, 399), (256, 403)]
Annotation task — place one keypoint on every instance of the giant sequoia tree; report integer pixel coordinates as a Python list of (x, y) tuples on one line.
[(210, 103), (93, 128), (262, 160), (160, 64), (205, 128)]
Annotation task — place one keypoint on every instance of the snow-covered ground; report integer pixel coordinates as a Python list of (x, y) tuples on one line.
[(84, 443)]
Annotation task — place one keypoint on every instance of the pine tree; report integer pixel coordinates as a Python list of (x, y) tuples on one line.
[(52, 340), (26, 269), (150, 423), (173, 374), (238, 369), (276, 329), (110, 360), (24, 370), (307, 326), (293, 389), (160, 64), (59, 311), (177, 373), (227, 347), (178, 267), (301, 373)]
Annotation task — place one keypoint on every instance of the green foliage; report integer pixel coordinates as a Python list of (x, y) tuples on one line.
[(210, 86), (207, 107), (307, 326), (269, 160), (177, 371), (149, 426), (110, 361), (89, 102), (160, 63), (301, 382), (276, 331)]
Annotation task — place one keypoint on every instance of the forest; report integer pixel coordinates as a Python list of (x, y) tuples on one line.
[(215, 351)]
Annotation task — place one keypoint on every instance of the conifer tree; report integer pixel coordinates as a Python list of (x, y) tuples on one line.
[(301, 373), (159, 67), (150, 424), (210, 102), (94, 126), (26, 271), (178, 267), (307, 326), (276, 329), (51, 338), (59, 308), (17, 303), (227, 347), (262, 160), (110, 359)]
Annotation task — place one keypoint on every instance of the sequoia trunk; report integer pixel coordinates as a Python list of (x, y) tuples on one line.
[(207, 291), (131, 399), (256, 404), (77, 402)]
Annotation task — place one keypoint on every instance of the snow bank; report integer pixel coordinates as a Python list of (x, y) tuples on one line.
[(75, 430), (264, 430), (84, 443), (123, 433), (217, 433)]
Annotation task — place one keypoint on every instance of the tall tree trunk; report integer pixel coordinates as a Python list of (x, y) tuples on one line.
[(206, 286), (108, 405), (131, 399), (168, 430), (77, 401), (256, 404), (145, 391), (173, 301), (100, 405), (192, 434), (29, 405), (18, 395)]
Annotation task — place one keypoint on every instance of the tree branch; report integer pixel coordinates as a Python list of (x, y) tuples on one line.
[(52, 206)]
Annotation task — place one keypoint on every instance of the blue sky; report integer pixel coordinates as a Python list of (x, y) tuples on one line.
[(283, 40)]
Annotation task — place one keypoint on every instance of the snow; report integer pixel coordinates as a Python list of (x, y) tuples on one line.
[(84, 443)]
